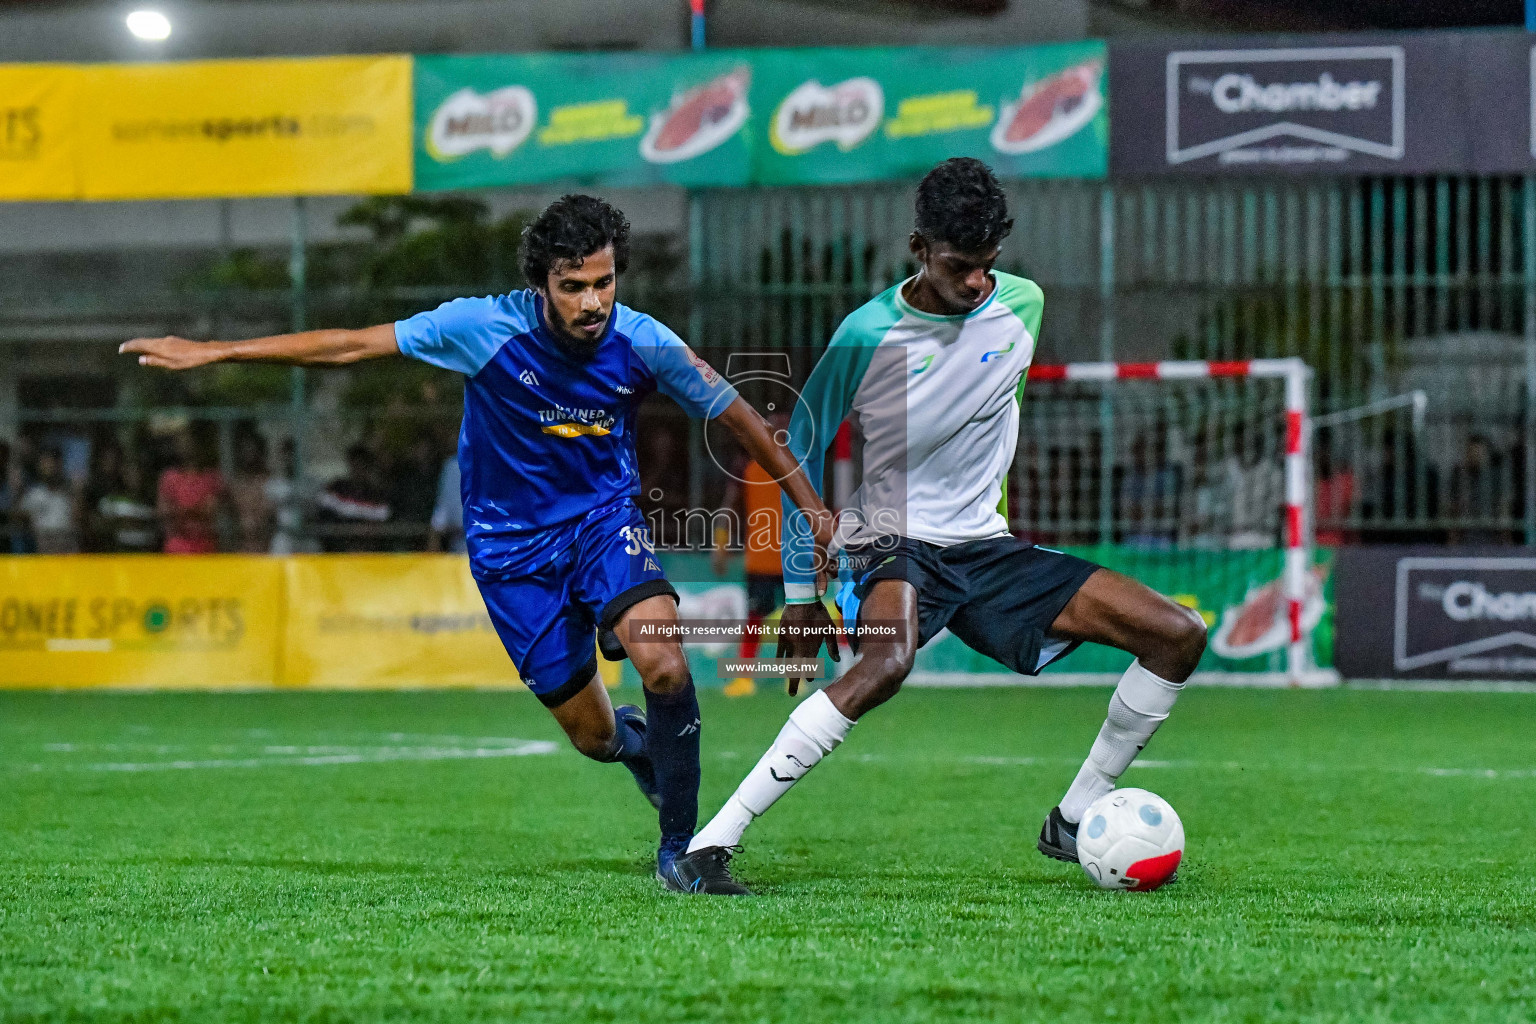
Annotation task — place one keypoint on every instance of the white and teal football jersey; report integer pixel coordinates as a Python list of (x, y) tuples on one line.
[(936, 400)]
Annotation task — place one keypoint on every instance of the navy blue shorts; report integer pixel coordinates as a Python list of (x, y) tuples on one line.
[(999, 596), (598, 568)]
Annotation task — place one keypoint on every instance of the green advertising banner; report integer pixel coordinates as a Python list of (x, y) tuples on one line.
[(833, 115), (1237, 593), (769, 117), (614, 119)]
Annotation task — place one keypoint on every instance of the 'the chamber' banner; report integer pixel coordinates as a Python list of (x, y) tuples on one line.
[(1355, 104), (1501, 101), (1437, 613)]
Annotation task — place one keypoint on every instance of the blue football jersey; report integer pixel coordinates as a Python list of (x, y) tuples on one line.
[(548, 436)]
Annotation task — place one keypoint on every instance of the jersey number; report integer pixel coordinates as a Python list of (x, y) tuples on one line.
[(636, 538)]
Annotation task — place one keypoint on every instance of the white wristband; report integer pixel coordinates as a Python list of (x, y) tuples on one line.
[(799, 593)]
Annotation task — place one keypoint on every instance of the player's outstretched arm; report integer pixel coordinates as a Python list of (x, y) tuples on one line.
[(780, 463), (811, 631), (311, 348)]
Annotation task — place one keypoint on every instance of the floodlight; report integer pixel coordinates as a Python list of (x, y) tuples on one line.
[(151, 26)]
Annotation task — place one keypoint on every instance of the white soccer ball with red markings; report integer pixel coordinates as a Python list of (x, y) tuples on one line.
[(1130, 839)]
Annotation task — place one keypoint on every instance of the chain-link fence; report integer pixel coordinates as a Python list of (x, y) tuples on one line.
[(1411, 299)]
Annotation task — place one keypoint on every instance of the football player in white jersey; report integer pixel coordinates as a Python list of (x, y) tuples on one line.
[(932, 372)]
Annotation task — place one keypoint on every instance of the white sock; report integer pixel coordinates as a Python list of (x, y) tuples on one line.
[(1138, 706), (814, 729)]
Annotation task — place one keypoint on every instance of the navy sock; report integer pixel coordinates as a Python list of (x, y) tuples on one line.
[(627, 743), (672, 740)]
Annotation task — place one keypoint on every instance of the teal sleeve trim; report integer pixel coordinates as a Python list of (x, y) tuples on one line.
[(824, 404), (1025, 298), (1027, 301)]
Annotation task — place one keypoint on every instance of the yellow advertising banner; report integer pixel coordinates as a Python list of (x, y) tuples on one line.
[(371, 621), (39, 108), (302, 126), (358, 622), (140, 621)]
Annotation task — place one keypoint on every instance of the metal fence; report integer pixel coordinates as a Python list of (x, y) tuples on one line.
[(1413, 299)]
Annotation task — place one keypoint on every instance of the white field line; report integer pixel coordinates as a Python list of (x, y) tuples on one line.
[(292, 755), (1322, 679), (1256, 680), (1483, 773), (1202, 766), (1445, 685), (361, 757)]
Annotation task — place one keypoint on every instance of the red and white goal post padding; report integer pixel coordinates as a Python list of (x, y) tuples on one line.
[(1298, 477)]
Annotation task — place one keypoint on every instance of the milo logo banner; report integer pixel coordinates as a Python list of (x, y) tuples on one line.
[(769, 117), (612, 119), (834, 115)]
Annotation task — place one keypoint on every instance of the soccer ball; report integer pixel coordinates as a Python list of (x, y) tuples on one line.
[(1130, 839)]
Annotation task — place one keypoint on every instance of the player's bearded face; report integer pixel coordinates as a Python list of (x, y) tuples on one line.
[(579, 300)]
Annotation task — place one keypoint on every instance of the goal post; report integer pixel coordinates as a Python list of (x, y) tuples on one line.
[(1290, 431)]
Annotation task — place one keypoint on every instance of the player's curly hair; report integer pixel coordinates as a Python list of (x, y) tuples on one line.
[(960, 202), (569, 230)]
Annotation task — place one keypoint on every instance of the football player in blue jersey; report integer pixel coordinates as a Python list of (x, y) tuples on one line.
[(554, 379)]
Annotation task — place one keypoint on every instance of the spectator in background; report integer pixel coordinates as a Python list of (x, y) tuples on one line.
[(1517, 488), (1407, 493), (290, 497), (10, 487), (249, 495), (104, 478), (1255, 489), (663, 456), (448, 512), (1148, 492), (414, 484), (118, 515), (188, 498), (1476, 494), (49, 507), (18, 477), (1205, 501), (1334, 496), (73, 445), (352, 504)]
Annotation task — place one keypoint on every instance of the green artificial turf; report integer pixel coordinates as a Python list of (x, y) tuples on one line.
[(372, 857)]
